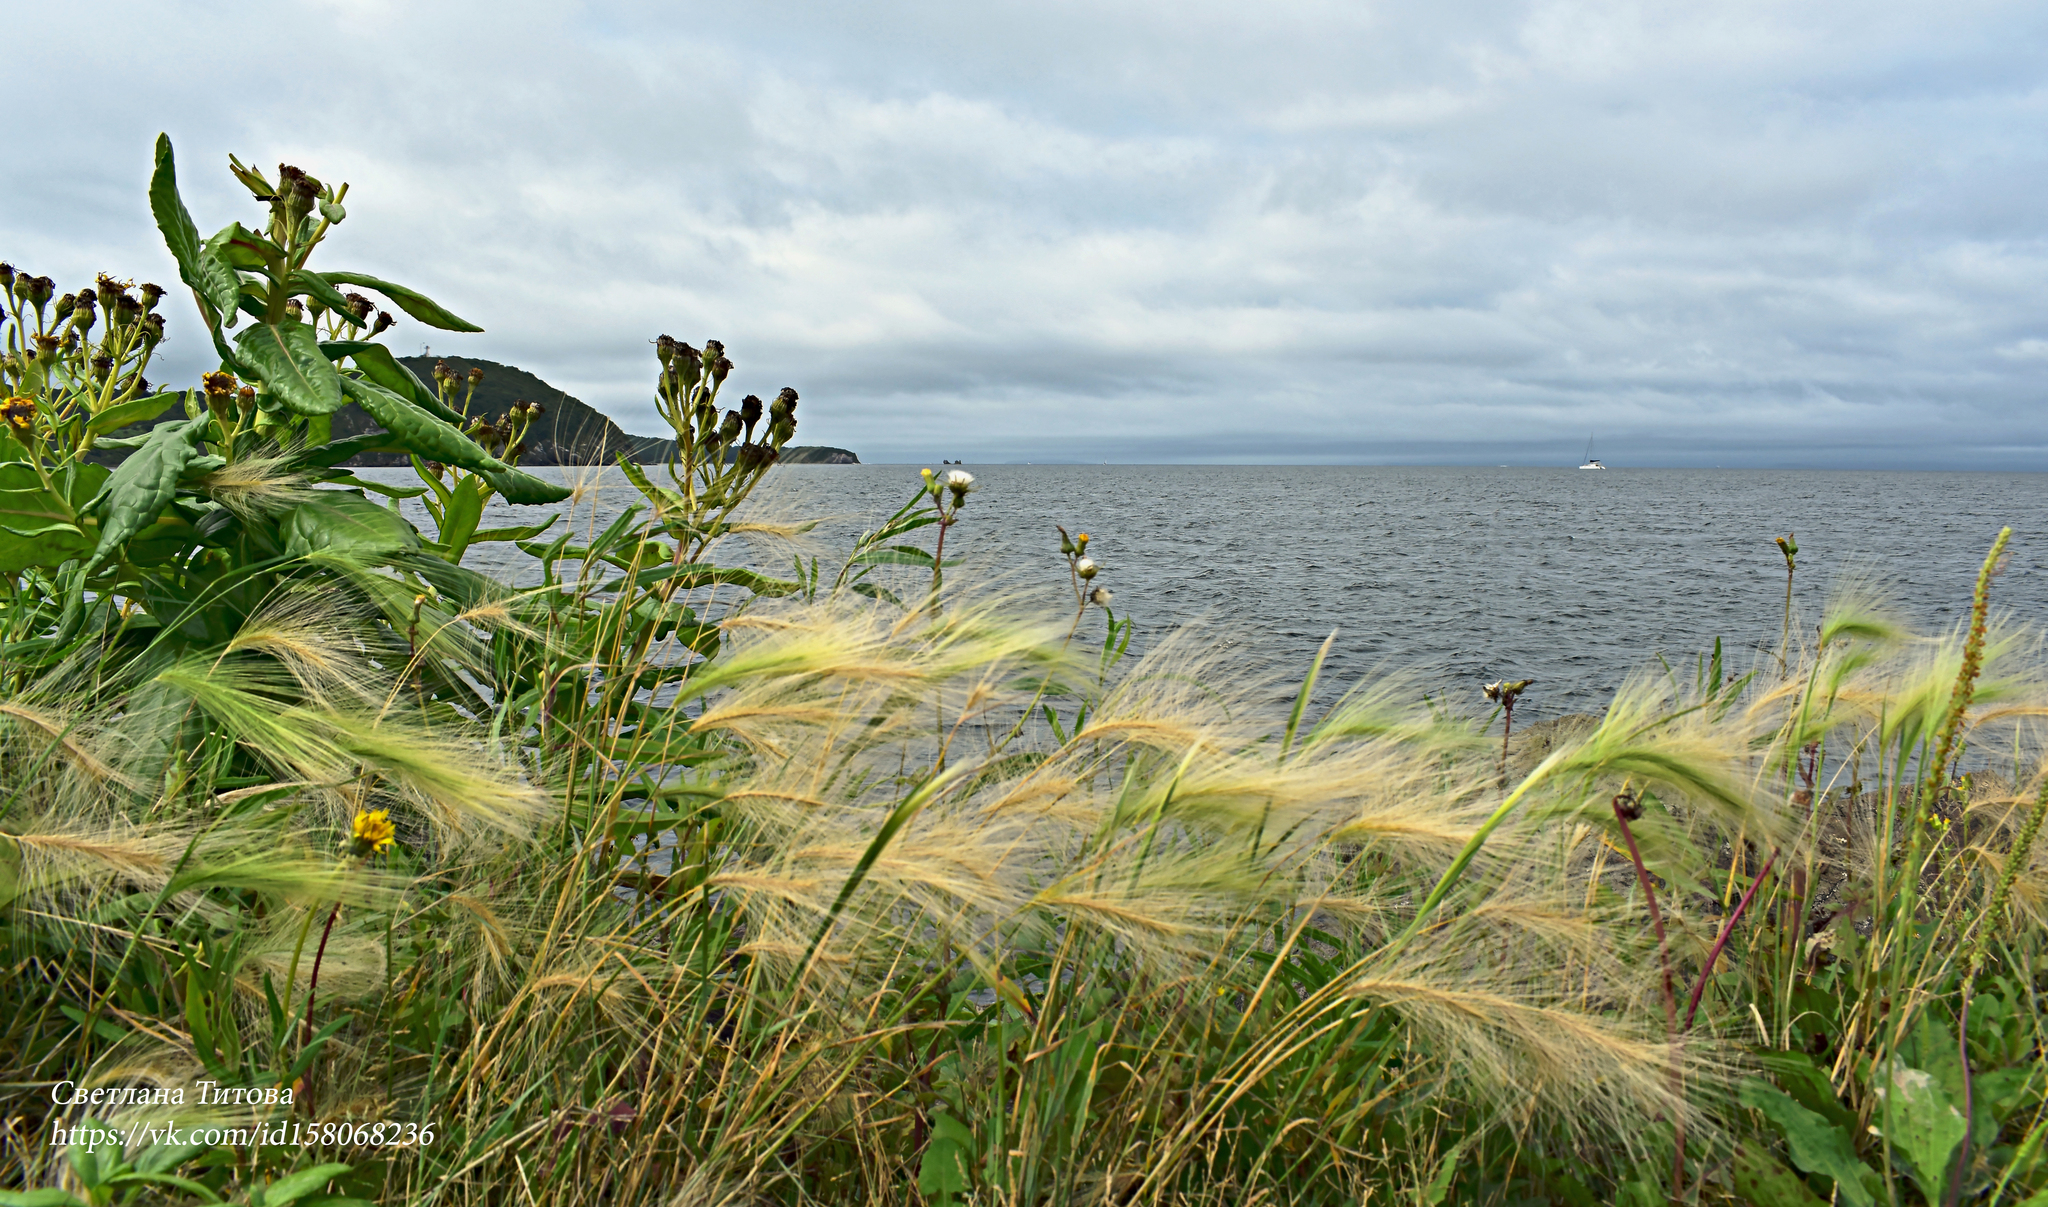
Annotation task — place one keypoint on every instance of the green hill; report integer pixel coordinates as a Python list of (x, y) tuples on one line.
[(569, 431)]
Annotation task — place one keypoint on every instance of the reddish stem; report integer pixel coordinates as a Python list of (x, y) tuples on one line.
[(1721, 941)]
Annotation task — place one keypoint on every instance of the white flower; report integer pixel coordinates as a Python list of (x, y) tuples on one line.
[(1086, 567), (960, 479)]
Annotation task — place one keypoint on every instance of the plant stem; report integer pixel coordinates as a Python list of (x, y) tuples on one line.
[(1721, 941)]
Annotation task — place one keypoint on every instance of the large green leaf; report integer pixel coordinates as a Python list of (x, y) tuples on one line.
[(1761, 1180), (1817, 1145), (1919, 1120), (139, 488), (518, 486), (135, 410), (414, 303), (210, 279), (315, 286), (343, 521), (380, 366), (418, 431), (239, 247), (286, 357), (40, 526)]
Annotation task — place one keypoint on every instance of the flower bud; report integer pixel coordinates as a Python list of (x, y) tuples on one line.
[(102, 367), (1066, 542), (720, 370), (781, 432), (24, 286), (713, 349), (441, 372), (383, 324), (151, 294), (476, 376), (126, 309), (46, 348), (1086, 568), (43, 290), (750, 410), (358, 305), (665, 349), (535, 409), (729, 430), (6, 276), (294, 312), (109, 289), (65, 305), (153, 329)]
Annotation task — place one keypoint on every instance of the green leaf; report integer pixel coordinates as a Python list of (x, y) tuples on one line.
[(382, 488), (295, 1186), (286, 357), (1762, 1180), (315, 286), (379, 365), (464, 509), (894, 555), (947, 1158), (518, 486), (512, 534), (698, 574), (38, 1198), (1817, 1145), (135, 410), (244, 249), (415, 429), (41, 527), (342, 521), (416, 304), (668, 504), (139, 489), (210, 279), (1918, 1119)]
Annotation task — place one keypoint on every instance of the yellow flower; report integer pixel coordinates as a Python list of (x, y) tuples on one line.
[(373, 831), (20, 413)]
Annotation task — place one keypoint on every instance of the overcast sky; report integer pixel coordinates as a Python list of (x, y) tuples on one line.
[(1809, 233)]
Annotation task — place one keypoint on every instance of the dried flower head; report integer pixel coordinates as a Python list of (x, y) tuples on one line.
[(20, 413), (1100, 597)]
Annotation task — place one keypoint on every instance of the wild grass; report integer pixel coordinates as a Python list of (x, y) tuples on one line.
[(958, 904)]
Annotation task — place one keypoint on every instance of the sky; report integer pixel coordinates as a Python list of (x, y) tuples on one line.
[(1737, 234)]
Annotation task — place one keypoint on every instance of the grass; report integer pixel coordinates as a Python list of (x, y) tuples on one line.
[(723, 931)]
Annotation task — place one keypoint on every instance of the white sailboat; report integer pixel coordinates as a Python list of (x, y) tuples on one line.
[(1592, 462)]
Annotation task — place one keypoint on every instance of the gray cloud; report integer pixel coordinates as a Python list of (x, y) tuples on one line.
[(1737, 234)]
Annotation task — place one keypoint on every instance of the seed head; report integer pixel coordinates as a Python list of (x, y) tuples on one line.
[(1086, 568), (1100, 597)]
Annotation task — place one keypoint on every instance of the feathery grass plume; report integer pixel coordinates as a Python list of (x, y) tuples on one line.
[(61, 736), (320, 637), (252, 487)]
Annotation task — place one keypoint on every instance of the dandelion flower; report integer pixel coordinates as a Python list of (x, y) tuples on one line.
[(373, 832)]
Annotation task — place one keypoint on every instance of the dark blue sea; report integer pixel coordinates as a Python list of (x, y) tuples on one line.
[(1570, 577)]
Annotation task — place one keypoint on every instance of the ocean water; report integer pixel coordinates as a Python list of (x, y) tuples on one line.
[(1457, 575)]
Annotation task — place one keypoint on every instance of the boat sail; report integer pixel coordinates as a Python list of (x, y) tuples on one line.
[(1592, 462)]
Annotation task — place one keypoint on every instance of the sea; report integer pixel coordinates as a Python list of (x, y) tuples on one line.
[(1451, 577)]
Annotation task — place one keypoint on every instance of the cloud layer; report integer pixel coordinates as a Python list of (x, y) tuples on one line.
[(1755, 234)]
